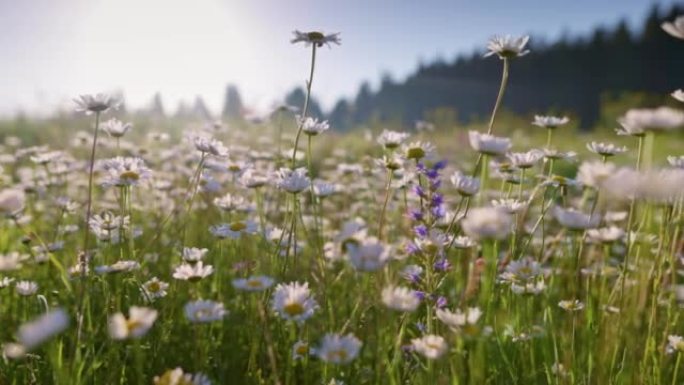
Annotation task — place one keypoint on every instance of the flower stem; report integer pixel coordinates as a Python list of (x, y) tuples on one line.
[(499, 97), (306, 105)]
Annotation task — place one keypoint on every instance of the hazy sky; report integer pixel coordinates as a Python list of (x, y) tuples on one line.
[(53, 50)]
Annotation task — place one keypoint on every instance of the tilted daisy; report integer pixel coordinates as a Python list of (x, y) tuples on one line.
[(400, 298), (12, 201), (675, 28), (253, 283), (678, 94), (524, 160), (465, 185), (640, 120), (487, 223), (154, 288), (575, 220), (194, 254), (138, 323), (235, 229), (203, 311), (192, 273), (211, 146), (459, 320), (430, 346), (338, 349), (26, 288), (34, 333), (369, 255), (312, 127)]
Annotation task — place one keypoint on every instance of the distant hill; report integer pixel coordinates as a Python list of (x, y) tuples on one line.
[(569, 75)]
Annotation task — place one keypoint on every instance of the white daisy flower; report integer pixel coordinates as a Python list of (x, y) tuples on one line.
[(154, 288), (550, 122), (317, 38), (26, 288), (430, 346), (293, 301), (338, 349), (96, 103), (400, 298), (675, 28), (507, 47), (203, 311), (253, 283), (487, 223), (192, 273), (116, 128), (488, 144), (138, 323)]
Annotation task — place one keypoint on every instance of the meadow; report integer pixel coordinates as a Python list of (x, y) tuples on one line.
[(279, 251)]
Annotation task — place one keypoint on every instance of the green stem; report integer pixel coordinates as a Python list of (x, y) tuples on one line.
[(306, 105), (499, 97)]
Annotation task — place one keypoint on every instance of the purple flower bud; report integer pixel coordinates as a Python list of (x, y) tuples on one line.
[(416, 215), (421, 327), (419, 191), (421, 231), (442, 265), (441, 302), (412, 248), (420, 294)]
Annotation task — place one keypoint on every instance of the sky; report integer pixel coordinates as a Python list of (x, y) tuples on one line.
[(54, 50)]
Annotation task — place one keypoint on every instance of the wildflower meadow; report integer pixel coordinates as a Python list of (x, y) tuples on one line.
[(288, 253)]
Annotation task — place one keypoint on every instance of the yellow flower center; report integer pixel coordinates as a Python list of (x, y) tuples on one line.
[(302, 349), (129, 175), (153, 287), (337, 355), (254, 283), (294, 309), (315, 36), (238, 226), (415, 153)]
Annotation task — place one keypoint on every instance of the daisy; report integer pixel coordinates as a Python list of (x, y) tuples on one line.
[(522, 270), (316, 38), (292, 181), (676, 161), (488, 144), (550, 122), (465, 185), (253, 283), (487, 223), (232, 202), (178, 377), (301, 350), (400, 298), (293, 301), (323, 189), (606, 234), (524, 160), (194, 272), (645, 119), (34, 333), (430, 346), (370, 255), (338, 349), (678, 94), (507, 47), (26, 288), (251, 178), (594, 174), (194, 254), (571, 305), (118, 267), (95, 103), (511, 206), (459, 320), (392, 139), (204, 311), (234, 230), (12, 201), (605, 149), (418, 150), (139, 321), (675, 343), (116, 128), (210, 146), (125, 171), (575, 220), (312, 127), (154, 288), (675, 28)]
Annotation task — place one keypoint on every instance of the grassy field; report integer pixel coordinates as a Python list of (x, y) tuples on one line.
[(176, 252)]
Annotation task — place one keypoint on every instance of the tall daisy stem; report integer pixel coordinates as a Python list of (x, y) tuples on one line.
[(83, 258), (499, 97), (306, 105)]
